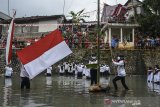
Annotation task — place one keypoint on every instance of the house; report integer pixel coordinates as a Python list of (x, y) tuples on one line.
[(117, 26), (3, 17), (35, 24), (113, 13), (30, 29)]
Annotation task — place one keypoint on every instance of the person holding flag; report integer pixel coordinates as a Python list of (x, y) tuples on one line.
[(47, 51), (25, 81)]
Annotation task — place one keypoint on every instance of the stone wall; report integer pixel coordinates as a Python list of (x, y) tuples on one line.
[(137, 61), (14, 63)]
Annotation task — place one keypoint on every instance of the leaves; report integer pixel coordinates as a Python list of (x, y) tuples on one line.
[(77, 17), (150, 21)]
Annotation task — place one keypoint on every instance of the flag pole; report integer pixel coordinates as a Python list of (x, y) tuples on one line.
[(9, 40), (98, 34)]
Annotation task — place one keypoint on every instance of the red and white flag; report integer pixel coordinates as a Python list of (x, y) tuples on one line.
[(9, 40), (44, 53)]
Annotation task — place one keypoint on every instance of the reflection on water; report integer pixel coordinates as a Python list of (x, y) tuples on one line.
[(8, 82), (49, 81), (63, 91), (7, 91)]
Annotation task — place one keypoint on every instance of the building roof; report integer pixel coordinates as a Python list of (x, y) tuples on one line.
[(129, 1), (35, 19), (3, 16), (112, 12)]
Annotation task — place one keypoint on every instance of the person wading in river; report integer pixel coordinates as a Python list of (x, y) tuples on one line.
[(120, 71)]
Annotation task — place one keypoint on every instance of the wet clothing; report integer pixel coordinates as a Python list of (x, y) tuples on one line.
[(25, 81), (122, 78), (93, 72)]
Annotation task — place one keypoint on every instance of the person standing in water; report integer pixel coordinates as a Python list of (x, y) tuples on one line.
[(120, 71), (25, 82)]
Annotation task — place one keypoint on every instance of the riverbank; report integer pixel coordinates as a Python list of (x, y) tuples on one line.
[(137, 61)]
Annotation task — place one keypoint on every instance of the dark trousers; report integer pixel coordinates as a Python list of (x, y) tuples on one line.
[(48, 74), (93, 73), (25, 83), (61, 74), (122, 81), (79, 75), (66, 72)]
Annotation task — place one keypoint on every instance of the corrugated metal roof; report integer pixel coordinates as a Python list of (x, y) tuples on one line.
[(4, 16), (35, 19)]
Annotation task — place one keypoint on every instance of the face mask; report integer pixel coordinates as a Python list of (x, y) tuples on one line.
[(118, 58)]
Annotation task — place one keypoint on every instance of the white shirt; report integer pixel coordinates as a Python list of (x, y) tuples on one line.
[(120, 68), (93, 62), (8, 71), (66, 66), (79, 68), (61, 68), (86, 71), (23, 72), (157, 77), (150, 76), (107, 68), (102, 69), (49, 70)]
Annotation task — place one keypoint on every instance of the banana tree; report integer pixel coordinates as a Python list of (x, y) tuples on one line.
[(77, 17)]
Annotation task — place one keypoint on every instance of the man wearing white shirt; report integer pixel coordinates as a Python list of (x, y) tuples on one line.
[(66, 67), (49, 71), (93, 71), (121, 72), (107, 70), (25, 82), (61, 69), (79, 71)]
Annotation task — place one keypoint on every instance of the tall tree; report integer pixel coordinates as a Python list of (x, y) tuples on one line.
[(150, 21)]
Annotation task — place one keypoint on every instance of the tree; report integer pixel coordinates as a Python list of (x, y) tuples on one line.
[(77, 17), (150, 21)]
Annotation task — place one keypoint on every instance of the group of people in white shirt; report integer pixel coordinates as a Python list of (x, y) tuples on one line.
[(154, 74), (79, 69), (153, 79)]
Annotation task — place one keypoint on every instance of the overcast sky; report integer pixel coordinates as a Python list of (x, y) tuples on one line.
[(27, 8)]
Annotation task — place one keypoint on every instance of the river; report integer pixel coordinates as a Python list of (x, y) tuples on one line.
[(67, 91)]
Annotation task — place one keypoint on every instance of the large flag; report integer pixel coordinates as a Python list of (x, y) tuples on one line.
[(44, 53), (9, 40)]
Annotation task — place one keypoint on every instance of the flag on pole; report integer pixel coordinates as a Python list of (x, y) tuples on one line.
[(44, 53), (9, 40)]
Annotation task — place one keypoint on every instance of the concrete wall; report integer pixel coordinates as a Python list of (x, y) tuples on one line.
[(41, 26), (137, 61), (49, 25)]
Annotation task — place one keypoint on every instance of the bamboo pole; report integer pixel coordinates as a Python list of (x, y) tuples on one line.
[(98, 30)]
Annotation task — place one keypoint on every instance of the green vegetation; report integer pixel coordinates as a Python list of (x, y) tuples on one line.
[(150, 21)]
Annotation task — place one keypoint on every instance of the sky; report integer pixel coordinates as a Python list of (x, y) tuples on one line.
[(27, 8)]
